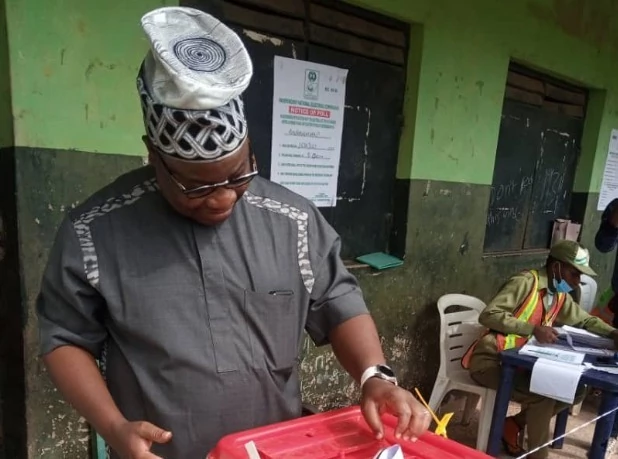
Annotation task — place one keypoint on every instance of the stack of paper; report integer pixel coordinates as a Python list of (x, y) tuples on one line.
[(556, 380), (582, 338), (606, 369), (566, 344)]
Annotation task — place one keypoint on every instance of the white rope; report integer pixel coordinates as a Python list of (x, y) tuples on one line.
[(549, 443)]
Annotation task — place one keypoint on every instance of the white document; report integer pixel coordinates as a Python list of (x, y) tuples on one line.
[(612, 370), (392, 452), (553, 353), (555, 380), (609, 186), (252, 451), (582, 349), (308, 109)]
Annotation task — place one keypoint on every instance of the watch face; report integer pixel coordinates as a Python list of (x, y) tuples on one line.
[(386, 370)]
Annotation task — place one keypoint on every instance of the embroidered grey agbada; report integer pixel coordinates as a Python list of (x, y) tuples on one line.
[(195, 339)]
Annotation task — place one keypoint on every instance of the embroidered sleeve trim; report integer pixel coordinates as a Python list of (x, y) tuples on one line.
[(302, 221)]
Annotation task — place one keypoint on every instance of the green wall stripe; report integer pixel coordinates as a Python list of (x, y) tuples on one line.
[(74, 87)]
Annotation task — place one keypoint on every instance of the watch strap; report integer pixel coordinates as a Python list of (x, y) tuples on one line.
[(375, 372)]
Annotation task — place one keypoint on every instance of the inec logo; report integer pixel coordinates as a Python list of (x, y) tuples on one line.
[(312, 84)]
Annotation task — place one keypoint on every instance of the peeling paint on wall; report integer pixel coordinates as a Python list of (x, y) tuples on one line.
[(324, 383), (68, 434), (582, 19), (261, 38)]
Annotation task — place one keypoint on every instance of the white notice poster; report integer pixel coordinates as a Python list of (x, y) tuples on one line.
[(609, 186), (308, 106)]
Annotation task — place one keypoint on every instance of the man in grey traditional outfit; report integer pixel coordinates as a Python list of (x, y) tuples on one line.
[(193, 279)]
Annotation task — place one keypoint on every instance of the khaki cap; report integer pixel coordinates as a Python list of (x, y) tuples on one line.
[(574, 254)]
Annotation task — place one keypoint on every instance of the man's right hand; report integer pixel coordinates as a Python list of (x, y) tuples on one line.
[(545, 335), (77, 376), (133, 440)]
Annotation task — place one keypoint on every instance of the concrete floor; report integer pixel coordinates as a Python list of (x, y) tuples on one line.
[(575, 445)]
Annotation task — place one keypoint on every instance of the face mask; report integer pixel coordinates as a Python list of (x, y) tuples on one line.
[(562, 286)]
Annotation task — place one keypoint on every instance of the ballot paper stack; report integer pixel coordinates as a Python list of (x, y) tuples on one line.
[(559, 367), (584, 341)]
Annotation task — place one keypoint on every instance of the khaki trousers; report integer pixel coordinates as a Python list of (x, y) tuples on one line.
[(536, 410)]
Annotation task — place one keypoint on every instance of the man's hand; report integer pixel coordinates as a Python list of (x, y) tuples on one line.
[(545, 335), (133, 440), (381, 396)]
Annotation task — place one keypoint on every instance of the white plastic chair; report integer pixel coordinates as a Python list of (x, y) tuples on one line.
[(588, 292), (458, 330)]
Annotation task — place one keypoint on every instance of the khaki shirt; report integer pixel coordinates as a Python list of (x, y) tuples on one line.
[(498, 317)]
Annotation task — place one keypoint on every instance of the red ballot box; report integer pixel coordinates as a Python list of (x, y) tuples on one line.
[(335, 435)]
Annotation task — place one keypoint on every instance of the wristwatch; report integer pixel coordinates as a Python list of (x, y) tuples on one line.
[(378, 371)]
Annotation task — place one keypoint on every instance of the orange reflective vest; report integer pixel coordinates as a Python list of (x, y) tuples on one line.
[(531, 311)]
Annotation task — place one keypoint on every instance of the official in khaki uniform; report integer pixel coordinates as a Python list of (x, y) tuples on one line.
[(529, 304)]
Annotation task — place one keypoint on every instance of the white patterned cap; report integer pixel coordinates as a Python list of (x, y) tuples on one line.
[(191, 82)]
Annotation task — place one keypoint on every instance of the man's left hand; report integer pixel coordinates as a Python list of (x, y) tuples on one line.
[(381, 396)]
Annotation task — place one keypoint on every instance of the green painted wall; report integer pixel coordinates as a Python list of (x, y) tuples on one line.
[(6, 113), (74, 86), (466, 50)]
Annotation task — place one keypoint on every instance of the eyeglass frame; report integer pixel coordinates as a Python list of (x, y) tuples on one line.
[(207, 190)]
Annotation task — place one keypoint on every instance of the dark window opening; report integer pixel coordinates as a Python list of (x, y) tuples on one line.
[(371, 210)]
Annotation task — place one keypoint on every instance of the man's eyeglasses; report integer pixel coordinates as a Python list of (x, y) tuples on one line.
[(204, 190)]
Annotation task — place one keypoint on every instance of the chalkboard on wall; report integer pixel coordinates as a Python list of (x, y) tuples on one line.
[(514, 170), (533, 176), (553, 183)]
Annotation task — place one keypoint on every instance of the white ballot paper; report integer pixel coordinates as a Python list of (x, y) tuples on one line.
[(555, 379), (392, 452), (252, 451), (551, 352)]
